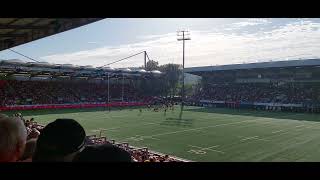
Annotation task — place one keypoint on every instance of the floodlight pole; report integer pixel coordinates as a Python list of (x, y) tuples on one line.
[(122, 85), (108, 88), (109, 91), (145, 60), (183, 39)]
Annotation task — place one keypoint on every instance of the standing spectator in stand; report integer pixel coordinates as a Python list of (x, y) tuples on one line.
[(13, 136), (33, 134), (60, 141)]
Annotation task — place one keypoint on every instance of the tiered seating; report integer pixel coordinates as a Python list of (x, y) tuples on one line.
[(43, 92), (264, 93)]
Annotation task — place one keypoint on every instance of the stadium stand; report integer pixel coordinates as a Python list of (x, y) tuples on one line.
[(265, 93), (30, 83), (41, 92), (282, 86)]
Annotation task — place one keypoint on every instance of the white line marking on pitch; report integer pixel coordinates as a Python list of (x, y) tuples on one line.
[(193, 129), (140, 138), (216, 151), (276, 135), (154, 138), (149, 123), (287, 131), (255, 138), (202, 150), (277, 131), (114, 128), (290, 129), (307, 127), (110, 128), (248, 138), (118, 116)]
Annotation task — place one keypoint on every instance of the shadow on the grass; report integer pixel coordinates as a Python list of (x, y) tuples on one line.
[(64, 111), (184, 122), (264, 114)]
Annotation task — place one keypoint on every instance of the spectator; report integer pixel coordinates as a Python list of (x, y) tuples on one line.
[(103, 153), (60, 140), (255, 92), (27, 123), (34, 133), (13, 136), (29, 150), (42, 92)]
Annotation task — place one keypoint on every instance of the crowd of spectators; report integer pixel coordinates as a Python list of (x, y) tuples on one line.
[(255, 92), (137, 154), (143, 155), (52, 92), (64, 140)]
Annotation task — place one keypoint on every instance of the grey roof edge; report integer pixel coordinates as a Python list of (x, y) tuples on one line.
[(272, 64)]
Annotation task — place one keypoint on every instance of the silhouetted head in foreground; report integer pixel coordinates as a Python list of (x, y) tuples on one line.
[(29, 150), (13, 137), (103, 153), (60, 140)]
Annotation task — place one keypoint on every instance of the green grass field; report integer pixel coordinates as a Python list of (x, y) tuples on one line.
[(204, 134)]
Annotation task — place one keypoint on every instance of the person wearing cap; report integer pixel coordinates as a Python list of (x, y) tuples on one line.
[(60, 141), (13, 137)]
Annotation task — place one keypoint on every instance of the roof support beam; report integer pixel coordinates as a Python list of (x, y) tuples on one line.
[(13, 21), (4, 26), (34, 31), (12, 35), (29, 24)]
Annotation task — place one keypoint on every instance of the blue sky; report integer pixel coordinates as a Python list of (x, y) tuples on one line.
[(213, 42)]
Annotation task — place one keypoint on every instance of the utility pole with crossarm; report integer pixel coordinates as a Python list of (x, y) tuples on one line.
[(183, 35)]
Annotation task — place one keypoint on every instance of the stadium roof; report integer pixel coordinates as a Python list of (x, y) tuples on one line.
[(263, 65), (19, 67), (17, 31)]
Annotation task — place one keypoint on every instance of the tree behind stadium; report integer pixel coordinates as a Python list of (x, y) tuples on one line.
[(167, 84)]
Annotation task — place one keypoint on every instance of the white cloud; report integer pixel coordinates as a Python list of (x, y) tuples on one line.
[(294, 40), (93, 42), (250, 22)]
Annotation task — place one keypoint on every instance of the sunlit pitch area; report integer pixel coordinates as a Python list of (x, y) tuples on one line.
[(204, 134)]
